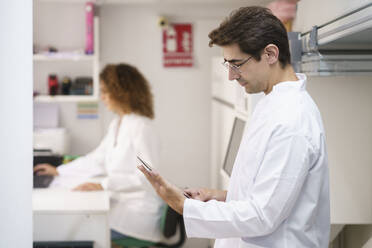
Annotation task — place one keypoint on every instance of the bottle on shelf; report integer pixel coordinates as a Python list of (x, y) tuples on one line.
[(66, 86), (53, 84), (89, 12)]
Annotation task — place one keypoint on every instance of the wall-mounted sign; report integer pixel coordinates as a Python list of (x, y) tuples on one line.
[(87, 110), (177, 46)]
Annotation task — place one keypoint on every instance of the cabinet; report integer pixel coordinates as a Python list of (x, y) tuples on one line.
[(62, 25), (63, 215)]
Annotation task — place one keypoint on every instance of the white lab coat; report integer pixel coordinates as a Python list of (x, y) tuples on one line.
[(135, 209), (278, 196)]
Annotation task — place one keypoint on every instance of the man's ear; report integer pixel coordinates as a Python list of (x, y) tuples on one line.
[(271, 52)]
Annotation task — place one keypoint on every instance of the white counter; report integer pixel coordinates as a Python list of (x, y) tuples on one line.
[(64, 215)]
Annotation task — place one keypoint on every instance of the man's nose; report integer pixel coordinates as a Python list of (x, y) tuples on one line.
[(233, 74)]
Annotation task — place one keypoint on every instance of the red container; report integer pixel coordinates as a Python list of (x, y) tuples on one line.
[(53, 84)]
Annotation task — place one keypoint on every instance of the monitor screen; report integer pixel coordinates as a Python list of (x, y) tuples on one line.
[(234, 143)]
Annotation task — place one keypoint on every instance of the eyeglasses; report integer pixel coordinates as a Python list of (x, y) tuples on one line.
[(235, 68)]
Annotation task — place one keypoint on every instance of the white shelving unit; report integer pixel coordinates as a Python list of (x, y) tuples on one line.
[(79, 63), (63, 57), (63, 98)]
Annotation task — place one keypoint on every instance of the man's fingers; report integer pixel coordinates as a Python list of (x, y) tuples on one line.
[(192, 192), (159, 184), (148, 175), (145, 172), (189, 191), (159, 179)]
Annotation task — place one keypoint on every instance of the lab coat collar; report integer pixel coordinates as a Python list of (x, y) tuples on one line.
[(291, 85), (126, 117)]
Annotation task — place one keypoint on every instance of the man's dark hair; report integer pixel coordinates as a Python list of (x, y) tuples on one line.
[(253, 28)]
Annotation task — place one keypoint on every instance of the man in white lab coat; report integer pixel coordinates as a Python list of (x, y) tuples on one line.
[(278, 196)]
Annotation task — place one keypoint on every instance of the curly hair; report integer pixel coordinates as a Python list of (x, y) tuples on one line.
[(129, 88), (253, 28)]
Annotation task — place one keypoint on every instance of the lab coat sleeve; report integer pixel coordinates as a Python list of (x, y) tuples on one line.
[(276, 187), (89, 165), (145, 145)]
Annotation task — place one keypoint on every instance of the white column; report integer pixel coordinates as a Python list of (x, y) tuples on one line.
[(16, 123)]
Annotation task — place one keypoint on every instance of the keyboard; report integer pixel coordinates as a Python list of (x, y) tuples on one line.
[(63, 244)]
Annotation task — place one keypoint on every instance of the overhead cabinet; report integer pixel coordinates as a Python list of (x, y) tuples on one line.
[(340, 46)]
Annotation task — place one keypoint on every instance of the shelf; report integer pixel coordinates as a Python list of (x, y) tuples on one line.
[(61, 62), (67, 98), (64, 1), (340, 64), (63, 57), (351, 31), (171, 2), (342, 46)]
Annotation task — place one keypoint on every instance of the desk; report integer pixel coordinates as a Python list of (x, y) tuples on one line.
[(61, 214)]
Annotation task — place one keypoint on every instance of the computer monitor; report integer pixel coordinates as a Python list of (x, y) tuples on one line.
[(232, 149)]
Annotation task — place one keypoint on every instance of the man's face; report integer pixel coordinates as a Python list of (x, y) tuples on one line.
[(252, 74)]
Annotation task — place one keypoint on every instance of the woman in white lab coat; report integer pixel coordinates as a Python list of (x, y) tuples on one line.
[(135, 209)]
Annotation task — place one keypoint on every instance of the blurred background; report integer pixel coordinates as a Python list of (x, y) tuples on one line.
[(195, 105)]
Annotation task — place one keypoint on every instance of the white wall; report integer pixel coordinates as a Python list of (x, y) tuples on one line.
[(129, 33), (344, 102), (85, 134), (16, 123), (345, 106), (182, 96)]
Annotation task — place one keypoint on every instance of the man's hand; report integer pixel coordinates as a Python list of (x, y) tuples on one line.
[(45, 169), (172, 195), (204, 194), (88, 187)]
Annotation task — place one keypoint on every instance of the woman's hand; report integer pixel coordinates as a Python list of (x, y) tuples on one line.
[(89, 187), (45, 169)]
